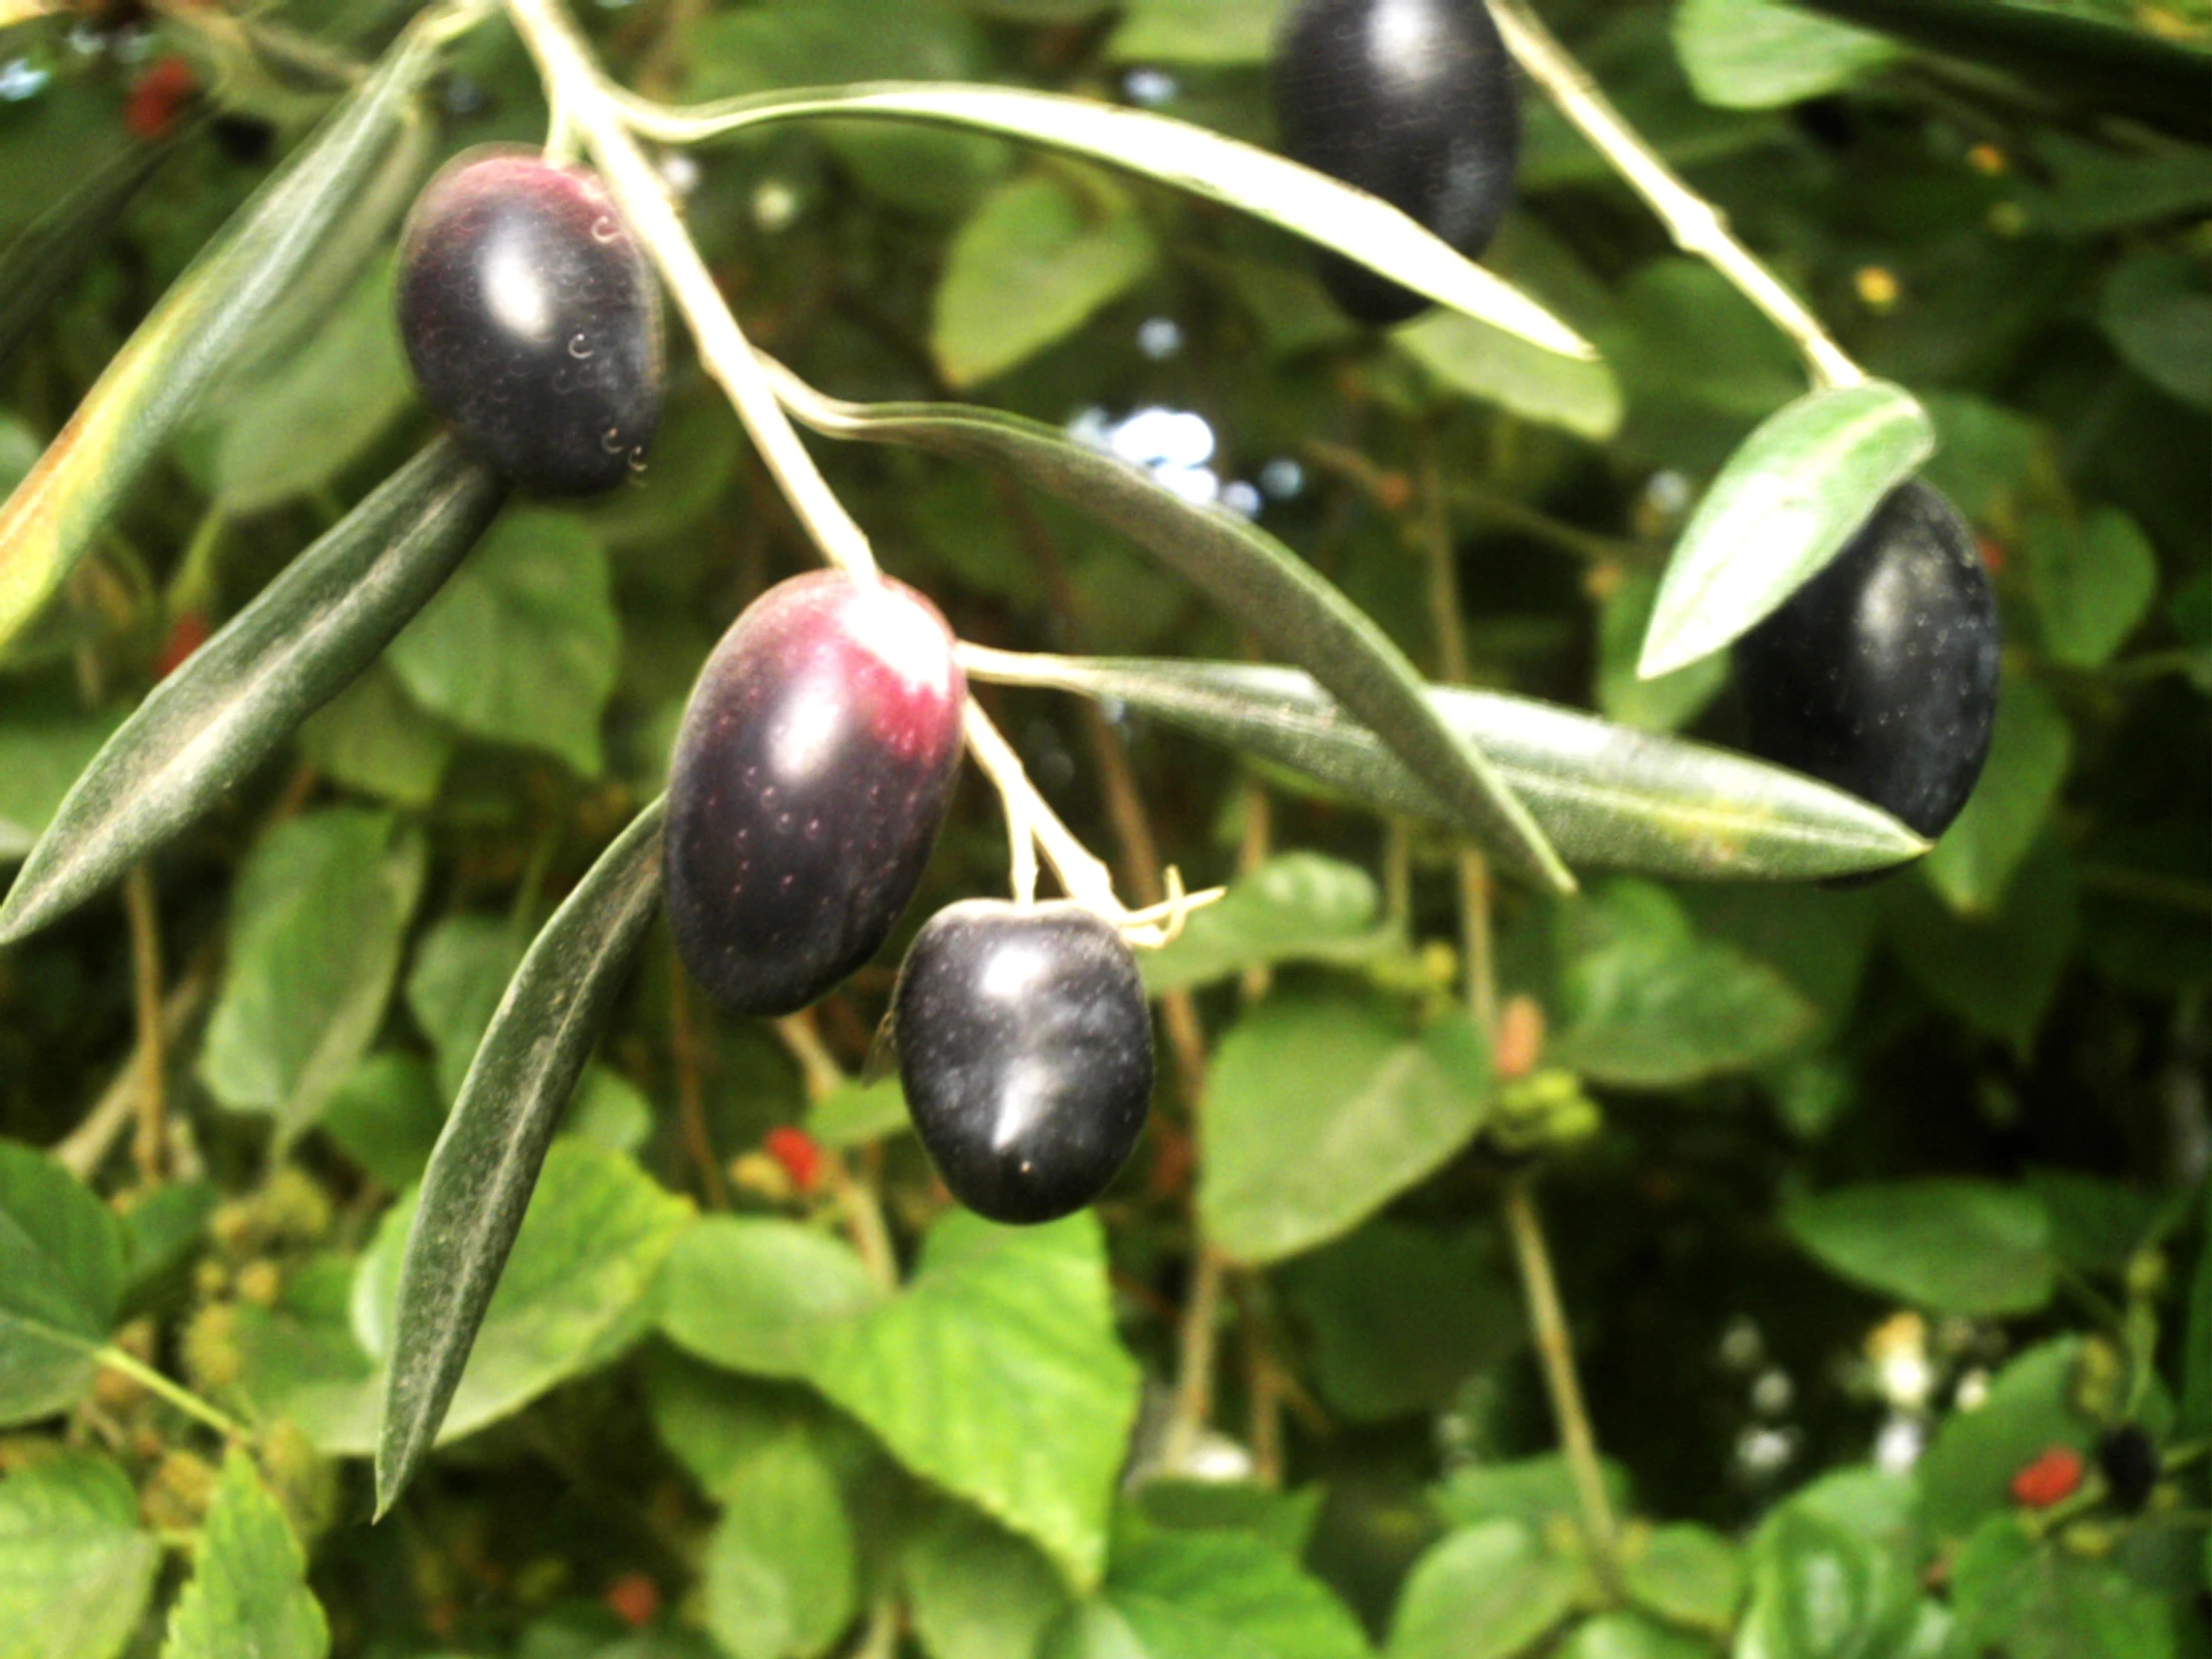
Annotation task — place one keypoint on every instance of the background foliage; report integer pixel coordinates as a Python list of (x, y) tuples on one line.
[(1867, 1203)]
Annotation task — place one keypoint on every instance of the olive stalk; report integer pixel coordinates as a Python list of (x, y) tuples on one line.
[(1696, 224)]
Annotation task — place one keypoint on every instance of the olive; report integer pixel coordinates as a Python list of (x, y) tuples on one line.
[(1880, 675), (811, 772), (1025, 1050), (1409, 100), (532, 321)]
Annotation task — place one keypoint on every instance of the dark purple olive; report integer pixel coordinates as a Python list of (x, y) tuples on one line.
[(1880, 675), (1409, 100), (811, 773), (2129, 1461), (1025, 1050), (532, 321)]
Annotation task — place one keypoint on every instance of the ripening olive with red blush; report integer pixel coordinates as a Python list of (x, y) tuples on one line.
[(532, 322), (1025, 1053), (1409, 100), (811, 772), (1880, 675)]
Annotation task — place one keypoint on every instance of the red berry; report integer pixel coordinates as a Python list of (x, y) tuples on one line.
[(186, 635), (2055, 1475), (798, 1152), (163, 89), (635, 1599)]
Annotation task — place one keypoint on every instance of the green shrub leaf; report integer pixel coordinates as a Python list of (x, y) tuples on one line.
[(779, 1569), (2029, 754), (1953, 1247), (75, 1568), (1204, 1595), (978, 1591), (248, 1592), (763, 1297), (1967, 1470), (61, 1284), (1757, 54), (2037, 1601), (1487, 1592), (1295, 907)]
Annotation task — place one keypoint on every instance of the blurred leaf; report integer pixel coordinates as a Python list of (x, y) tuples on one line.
[(318, 919), (977, 1591), (1997, 972), (2033, 1600), (2094, 581), (1987, 456), (1824, 1590), (1298, 907), (2029, 754), (488, 1157), (249, 1593), (1207, 1595), (239, 697), (996, 1374), (162, 1231), (461, 970), (370, 738), (75, 1568), (524, 646), (146, 392), (2096, 1225), (38, 761), (2157, 311), (2090, 188), (1697, 363), (1786, 503), (1628, 1636), (1197, 31), (1967, 1470), (610, 1111), (1485, 1592), (1689, 1575), (1644, 1003), (858, 1112), (1033, 237), (760, 1296), (1971, 1248), (1284, 1521), (1320, 1108), (1756, 54), (1535, 1491), (387, 1116), (1291, 607), (61, 1284), (2196, 1374), (1605, 793), (1488, 363), (1665, 703), (779, 1567)]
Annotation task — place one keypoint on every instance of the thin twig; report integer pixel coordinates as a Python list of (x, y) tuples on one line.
[(1194, 1361), (1695, 224), (87, 1146), (149, 1145), (859, 1197), (153, 1382)]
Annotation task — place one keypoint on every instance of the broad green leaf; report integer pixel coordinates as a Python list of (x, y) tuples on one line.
[(1757, 54), (1065, 255), (214, 308), (1486, 1593), (1320, 1109), (2157, 311), (1824, 1590), (1197, 31), (1297, 907), (2030, 1600), (2029, 754), (1605, 794), (2096, 1224), (857, 1113), (1628, 1636), (1284, 1521), (1291, 607), (461, 970), (1665, 703), (1967, 1470), (234, 701), (524, 646), (1782, 508), (387, 1116), (779, 1567), (1643, 1002), (1950, 1246), (316, 922), (1240, 176), (1997, 972), (610, 1111), (2094, 581), (978, 1591), (372, 739), (760, 1296), (1689, 1575), (1477, 359), (488, 1157), (1208, 1595), (249, 1593), (996, 1374), (1539, 1493), (75, 1568), (39, 760)]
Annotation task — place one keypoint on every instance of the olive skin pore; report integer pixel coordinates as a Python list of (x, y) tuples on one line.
[(811, 772), (1025, 1051), (1409, 100), (1880, 675), (532, 322)]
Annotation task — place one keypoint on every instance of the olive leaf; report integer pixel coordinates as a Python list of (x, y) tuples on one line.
[(196, 329), (1363, 227), (1786, 503), (1605, 793), (487, 1160), (230, 704), (1289, 605)]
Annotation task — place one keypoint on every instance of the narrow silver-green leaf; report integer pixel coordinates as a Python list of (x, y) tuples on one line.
[(486, 1163), (1784, 505), (234, 701), (1238, 175), (197, 330), (1291, 608), (1605, 793)]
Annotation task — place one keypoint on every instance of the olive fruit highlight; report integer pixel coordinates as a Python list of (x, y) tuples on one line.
[(1409, 100), (811, 773), (532, 321), (1025, 1050), (1880, 675)]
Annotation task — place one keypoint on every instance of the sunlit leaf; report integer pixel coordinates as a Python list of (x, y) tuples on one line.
[(1207, 1595), (248, 1592), (1299, 906), (1757, 54), (1973, 1247), (1484, 1593), (780, 1569), (761, 1297), (60, 1282), (76, 1568)]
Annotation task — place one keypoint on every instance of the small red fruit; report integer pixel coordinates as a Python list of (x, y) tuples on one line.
[(186, 635), (634, 1599), (2054, 1475), (157, 96), (798, 1152)]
